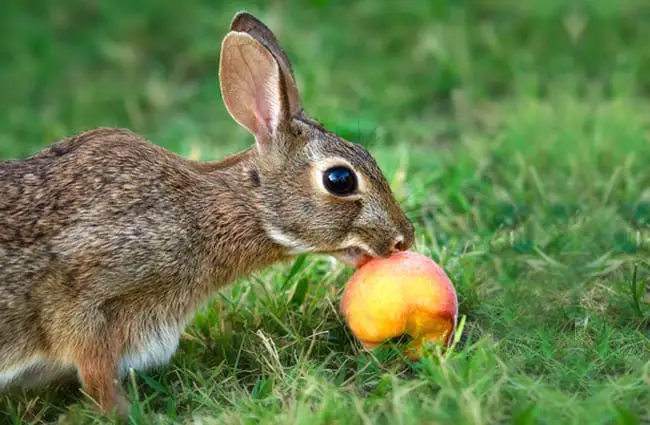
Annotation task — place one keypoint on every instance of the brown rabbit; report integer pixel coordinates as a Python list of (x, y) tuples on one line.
[(109, 243)]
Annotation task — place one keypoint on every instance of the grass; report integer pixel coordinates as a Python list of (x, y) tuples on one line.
[(516, 135)]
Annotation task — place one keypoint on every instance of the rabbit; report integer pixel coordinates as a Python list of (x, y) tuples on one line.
[(109, 243)]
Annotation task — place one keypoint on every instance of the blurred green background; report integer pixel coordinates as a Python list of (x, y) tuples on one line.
[(395, 71), (515, 134)]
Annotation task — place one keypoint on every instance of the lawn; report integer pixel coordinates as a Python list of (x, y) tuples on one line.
[(516, 136)]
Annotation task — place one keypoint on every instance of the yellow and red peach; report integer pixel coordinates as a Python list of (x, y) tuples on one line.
[(406, 293)]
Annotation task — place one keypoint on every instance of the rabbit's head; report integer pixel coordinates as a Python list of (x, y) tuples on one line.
[(316, 192)]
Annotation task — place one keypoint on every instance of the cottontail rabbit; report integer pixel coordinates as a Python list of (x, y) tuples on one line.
[(109, 243)]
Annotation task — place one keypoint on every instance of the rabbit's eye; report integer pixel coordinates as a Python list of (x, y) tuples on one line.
[(340, 181)]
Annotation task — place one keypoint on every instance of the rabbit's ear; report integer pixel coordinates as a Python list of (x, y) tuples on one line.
[(256, 79), (245, 22), (251, 87)]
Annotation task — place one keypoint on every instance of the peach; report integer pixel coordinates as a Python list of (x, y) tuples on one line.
[(406, 293)]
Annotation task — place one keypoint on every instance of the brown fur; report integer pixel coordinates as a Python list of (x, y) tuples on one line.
[(109, 243)]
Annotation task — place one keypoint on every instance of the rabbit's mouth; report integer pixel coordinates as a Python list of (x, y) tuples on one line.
[(353, 256)]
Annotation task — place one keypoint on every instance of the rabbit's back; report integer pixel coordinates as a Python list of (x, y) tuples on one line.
[(104, 195)]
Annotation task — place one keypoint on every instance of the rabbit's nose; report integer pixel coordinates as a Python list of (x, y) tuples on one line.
[(400, 244)]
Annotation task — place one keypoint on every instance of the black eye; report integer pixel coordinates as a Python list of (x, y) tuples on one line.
[(340, 181)]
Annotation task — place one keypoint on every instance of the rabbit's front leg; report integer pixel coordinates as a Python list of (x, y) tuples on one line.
[(97, 361)]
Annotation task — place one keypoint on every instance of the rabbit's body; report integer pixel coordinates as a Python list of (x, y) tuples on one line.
[(141, 222), (109, 243)]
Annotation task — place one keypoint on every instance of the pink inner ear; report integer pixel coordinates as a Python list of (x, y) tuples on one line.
[(269, 103), (251, 81)]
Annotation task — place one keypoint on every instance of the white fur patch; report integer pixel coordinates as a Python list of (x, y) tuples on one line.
[(34, 372), (10, 375), (294, 245), (153, 350)]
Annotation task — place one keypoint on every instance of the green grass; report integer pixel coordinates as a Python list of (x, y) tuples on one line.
[(516, 135)]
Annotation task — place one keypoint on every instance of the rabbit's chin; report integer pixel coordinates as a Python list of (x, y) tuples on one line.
[(353, 257)]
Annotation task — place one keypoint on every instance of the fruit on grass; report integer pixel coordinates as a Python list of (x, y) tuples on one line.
[(406, 293)]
